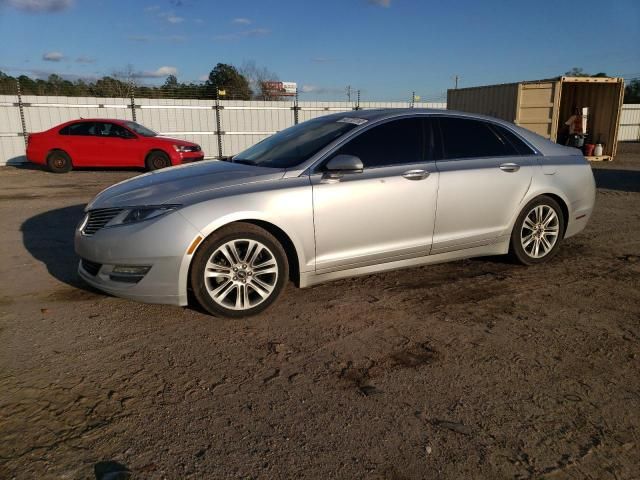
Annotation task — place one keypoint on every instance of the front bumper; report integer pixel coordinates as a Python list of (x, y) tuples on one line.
[(189, 157), (161, 243)]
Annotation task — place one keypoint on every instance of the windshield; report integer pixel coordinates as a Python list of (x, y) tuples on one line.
[(140, 130), (296, 144)]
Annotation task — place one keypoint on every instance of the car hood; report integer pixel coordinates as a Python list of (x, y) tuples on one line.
[(170, 184), (172, 141)]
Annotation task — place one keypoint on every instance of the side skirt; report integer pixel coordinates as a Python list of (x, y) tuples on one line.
[(309, 279)]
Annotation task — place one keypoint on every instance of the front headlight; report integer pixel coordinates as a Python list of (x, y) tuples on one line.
[(139, 214), (186, 148)]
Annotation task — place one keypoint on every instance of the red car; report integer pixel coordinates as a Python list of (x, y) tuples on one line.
[(107, 143)]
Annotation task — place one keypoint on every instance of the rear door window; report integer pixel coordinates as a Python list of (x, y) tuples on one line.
[(81, 129), (396, 142), (468, 138), (519, 146)]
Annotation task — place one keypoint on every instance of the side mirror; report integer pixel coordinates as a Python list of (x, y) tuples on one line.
[(344, 164)]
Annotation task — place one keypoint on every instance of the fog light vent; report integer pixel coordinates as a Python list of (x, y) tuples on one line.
[(129, 273)]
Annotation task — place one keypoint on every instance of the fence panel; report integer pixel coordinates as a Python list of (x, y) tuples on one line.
[(245, 123), (11, 140), (629, 123), (191, 120), (44, 112)]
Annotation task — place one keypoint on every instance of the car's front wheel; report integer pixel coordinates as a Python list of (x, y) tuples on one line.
[(239, 271), (538, 231), (157, 160)]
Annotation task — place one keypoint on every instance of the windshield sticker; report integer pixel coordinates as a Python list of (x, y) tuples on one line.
[(355, 121)]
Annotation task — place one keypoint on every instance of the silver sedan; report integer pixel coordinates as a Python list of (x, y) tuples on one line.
[(338, 196)]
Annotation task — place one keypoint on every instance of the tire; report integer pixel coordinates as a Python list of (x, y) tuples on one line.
[(221, 291), (157, 160), (538, 231), (59, 162)]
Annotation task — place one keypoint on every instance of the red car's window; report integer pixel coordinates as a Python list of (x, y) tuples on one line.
[(81, 128)]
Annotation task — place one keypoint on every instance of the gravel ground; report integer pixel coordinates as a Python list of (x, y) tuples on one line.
[(473, 369)]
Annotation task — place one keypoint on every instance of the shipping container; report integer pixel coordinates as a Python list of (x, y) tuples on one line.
[(543, 106)]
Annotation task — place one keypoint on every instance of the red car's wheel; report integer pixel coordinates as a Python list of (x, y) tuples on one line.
[(59, 162), (157, 160)]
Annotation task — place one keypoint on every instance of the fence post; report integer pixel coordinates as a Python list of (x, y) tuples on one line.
[(218, 124), (295, 109), (133, 103), (25, 135)]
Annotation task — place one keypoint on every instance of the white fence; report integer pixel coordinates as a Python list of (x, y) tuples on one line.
[(629, 123), (242, 123)]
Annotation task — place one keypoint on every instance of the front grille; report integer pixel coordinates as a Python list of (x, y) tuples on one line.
[(192, 148), (98, 218), (92, 268)]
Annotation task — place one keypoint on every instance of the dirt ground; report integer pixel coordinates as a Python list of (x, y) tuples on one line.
[(473, 369)]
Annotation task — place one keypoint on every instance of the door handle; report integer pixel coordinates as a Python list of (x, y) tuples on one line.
[(510, 167), (415, 174)]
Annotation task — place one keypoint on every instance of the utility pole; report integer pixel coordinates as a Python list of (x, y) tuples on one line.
[(456, 80), (348, 93)]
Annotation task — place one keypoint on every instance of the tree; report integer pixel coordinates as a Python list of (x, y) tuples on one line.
[(579, 72), (171, 82), (632, 91), (576, 72), (228, 78), (256, 76)]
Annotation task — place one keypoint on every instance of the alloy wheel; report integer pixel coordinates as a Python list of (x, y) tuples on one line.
[(241, 274), (540, 230)]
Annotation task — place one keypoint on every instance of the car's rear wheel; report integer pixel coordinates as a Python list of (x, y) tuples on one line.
[(239, 271), (59, 162), (157, 160), (538, 231)]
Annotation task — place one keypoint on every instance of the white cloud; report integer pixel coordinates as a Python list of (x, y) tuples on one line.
[(204, 78), (171, 18), (150, 38), (255, 32), (52, 56), (85, 59), (380, 3), (309, 88), (161, 72), (38, 6), (242, 21)]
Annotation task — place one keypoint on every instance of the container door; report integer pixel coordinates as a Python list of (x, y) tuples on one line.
[(538, 108)]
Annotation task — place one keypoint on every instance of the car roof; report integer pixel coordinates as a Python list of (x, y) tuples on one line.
[(382, 113), (113, 120)]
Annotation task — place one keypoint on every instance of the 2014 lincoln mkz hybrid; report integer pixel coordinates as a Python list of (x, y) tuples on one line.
[(342, 195)]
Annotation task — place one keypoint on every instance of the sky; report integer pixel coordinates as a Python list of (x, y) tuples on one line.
[(386, 48)]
